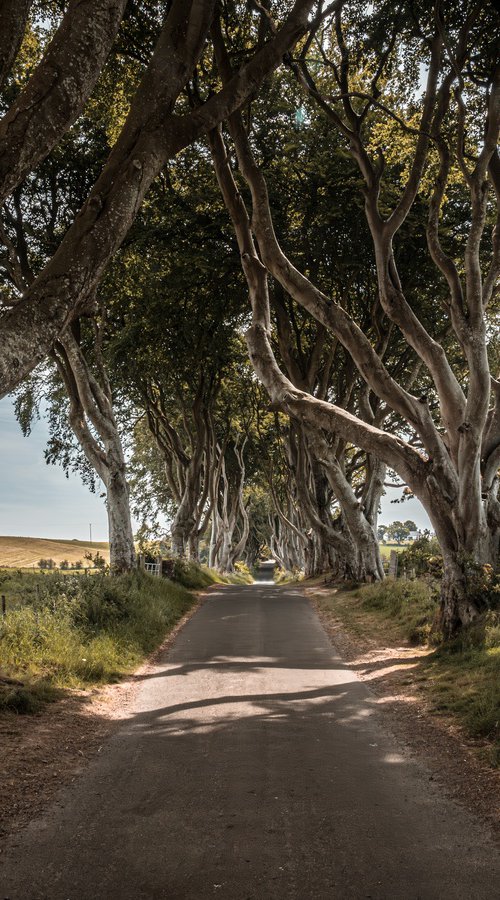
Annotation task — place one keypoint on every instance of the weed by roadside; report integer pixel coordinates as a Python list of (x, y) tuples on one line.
[(283, 577)]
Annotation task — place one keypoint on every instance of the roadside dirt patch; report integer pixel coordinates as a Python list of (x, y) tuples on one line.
[(42, 753), (392, 670)]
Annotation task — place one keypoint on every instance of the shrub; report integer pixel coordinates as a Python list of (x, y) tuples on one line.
[(483, 585), (97, 560), (190, 575), (423, 555), (46, 564)]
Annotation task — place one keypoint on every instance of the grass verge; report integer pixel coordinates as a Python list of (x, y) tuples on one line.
[(72, 632), (459, 679)]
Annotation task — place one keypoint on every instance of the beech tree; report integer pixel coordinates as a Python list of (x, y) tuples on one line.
[(159, 124), (31, 223), (92, 419), (453, 469)]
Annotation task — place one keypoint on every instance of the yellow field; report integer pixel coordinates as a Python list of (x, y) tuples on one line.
[(24, 552)]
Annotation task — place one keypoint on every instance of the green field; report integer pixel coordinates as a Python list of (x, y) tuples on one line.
[(385, 549)]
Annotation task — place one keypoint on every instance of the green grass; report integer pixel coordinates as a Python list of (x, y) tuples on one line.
[(195, 577), (385, 549), (463, 680), (64, 630), (78, 631), (283, 577), (460, 678), (410, 605)]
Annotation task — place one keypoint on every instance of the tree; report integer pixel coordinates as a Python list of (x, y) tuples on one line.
[(448, 454), (31, 224), (159, 124), (94, 424), (410, 525), (398, 531)]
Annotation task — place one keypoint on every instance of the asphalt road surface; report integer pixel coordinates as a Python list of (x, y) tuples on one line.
[(252, 768)]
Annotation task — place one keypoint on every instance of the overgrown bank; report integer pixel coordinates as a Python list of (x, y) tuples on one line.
[(459, 678), (64, 631)]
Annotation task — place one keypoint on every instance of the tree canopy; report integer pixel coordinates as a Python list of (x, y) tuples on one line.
[(336, 165)]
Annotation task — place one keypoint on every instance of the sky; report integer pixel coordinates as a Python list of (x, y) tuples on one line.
[(37, 500)]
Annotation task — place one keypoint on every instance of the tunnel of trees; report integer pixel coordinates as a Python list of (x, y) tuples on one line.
[(249, 267)]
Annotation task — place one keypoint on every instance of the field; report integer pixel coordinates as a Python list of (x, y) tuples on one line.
[(385, 549), (24, 552)]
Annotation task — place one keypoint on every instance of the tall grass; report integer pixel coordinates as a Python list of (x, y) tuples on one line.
[(412, 604), (74, 631)]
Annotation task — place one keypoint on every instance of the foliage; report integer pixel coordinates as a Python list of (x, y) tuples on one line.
[(283, 577), (400, 531), (96, 559), (483, 584), (422, 555), (46, 564), (190, 575), (77, 631)]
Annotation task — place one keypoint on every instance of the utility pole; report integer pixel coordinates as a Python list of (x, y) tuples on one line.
[(90, 529)]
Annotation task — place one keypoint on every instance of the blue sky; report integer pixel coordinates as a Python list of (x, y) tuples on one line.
[(37, 500)]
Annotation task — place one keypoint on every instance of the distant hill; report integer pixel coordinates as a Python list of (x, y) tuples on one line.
[(23, 552)]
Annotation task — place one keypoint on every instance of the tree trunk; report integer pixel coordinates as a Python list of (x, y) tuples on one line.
[(458, 606), (90, 402), (178, 541), (121, 538), (194, 546)]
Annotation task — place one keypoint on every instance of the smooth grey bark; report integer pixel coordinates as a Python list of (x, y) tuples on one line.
[(229, 517), (92, 420), (186, 451), (233, 512), (363, 557)]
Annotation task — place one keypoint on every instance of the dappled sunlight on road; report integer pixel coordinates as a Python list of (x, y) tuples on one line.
[(254, 763)]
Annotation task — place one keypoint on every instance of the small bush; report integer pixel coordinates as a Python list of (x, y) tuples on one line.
[(483, 585), (423, 555), (281, 576), (46, 564)]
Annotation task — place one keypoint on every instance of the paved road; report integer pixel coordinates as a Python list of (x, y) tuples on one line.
[(253, 768)]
